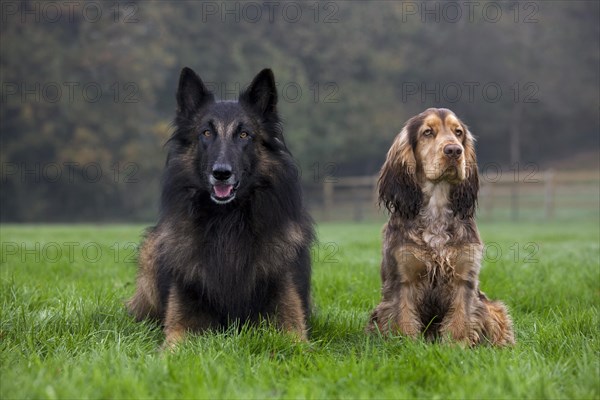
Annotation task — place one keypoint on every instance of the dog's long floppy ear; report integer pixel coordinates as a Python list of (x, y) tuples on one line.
[(464, 195), (399, 190), (261, 94), (191, 93)]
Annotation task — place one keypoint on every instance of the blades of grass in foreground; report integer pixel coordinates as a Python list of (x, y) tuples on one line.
[(64, 331)]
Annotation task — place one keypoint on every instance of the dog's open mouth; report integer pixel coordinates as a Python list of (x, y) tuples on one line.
[(223, 193)]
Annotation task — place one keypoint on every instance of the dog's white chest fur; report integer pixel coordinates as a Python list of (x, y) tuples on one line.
[(436, 219)]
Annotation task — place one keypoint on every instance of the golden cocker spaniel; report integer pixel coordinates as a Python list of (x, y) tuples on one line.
[(431, 247)]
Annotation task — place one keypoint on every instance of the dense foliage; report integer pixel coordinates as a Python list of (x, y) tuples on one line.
[(88, 88)]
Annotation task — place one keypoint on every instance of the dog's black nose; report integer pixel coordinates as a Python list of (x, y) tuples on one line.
[(221, 172), (453, 150)]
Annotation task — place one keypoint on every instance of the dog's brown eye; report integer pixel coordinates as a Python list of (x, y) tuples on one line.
[(428, 132), (206, 133), (459, 132), (243, 134)]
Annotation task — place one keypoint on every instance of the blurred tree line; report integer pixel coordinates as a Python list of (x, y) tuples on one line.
[(88, 88)]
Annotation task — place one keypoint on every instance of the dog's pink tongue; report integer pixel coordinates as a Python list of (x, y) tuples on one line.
[(223, 190)]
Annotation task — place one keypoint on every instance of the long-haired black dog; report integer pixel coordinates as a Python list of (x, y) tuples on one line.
[(233, 240)]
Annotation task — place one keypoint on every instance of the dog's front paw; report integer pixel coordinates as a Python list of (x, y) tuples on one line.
[(409, 327), (460, 332)]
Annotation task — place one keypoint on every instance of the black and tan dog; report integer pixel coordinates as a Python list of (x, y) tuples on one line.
[(233, 240), (431, 246)]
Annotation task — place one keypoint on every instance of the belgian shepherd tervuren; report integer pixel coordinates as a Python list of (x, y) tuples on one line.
[(232, 244)]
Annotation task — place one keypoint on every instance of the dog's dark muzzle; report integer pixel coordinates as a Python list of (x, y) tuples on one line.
[(223, 183)]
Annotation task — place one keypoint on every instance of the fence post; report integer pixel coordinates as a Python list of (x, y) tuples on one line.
[(328, 198), (358, 210), (375, 194), (549, 193), (487, 194), (514, 200)]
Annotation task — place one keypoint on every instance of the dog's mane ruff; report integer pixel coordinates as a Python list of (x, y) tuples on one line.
[(435, 217), (438, 231)]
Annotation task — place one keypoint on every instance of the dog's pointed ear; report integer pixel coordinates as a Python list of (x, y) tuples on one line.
[(261, 94), (192, 94), (399, 190), (464, 195)]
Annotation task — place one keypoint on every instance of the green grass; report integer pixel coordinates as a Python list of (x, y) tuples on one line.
[(64, 332)]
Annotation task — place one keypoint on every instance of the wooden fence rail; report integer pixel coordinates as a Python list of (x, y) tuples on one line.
[(356, 197)]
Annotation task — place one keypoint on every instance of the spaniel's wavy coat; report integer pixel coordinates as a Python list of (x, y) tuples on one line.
[(431, 248)]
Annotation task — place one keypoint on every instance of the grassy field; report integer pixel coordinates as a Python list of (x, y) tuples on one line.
[(64, 332)]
